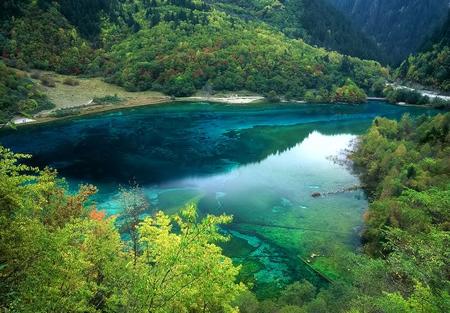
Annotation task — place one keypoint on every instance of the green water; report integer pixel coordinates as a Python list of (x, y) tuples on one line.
[(259, 163)]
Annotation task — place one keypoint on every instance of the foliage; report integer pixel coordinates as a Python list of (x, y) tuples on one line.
[(63, 112), (134, 204), (180, 57), (53, 45), (48, 81), (405, 166), (179, 47), (107, 99), (410, 96), (316, 22), (58, 253), (431, 67), (19, 95), (349, 93), (71, 81), (399, 27)]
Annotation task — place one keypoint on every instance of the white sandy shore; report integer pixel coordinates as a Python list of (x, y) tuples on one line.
[(22, 120), (230, 99)]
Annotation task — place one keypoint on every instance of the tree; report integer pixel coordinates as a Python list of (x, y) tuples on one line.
[(350, 93), (180, 269), (134, 204), (59, 254)]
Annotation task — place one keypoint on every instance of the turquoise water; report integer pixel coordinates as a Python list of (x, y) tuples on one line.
[(260, 163)]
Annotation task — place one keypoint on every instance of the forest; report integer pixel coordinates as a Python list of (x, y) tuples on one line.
[(431, 66), (19, 95), (177, 47)]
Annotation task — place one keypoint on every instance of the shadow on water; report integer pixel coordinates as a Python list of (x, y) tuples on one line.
[(259, 163)]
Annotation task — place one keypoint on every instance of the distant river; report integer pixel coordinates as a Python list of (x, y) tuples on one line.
[(260, 163)]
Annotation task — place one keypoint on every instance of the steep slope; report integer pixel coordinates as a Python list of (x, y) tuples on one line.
[(190, 48), (431, 67), (314, 21), (398, 26), (176, 46)]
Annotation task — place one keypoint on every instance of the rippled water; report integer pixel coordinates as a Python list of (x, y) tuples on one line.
[(260, 163)]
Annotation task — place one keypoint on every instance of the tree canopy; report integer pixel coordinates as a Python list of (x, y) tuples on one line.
[(59, 254)]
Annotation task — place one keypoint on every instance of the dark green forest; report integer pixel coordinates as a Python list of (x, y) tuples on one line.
[(399, 27), (316, 22), (431, 67)]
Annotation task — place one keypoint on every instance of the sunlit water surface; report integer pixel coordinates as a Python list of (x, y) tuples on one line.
[(259, 163)]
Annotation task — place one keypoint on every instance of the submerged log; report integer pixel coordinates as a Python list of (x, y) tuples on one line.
[(349, 189)]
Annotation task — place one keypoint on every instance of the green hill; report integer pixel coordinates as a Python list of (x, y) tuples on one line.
[(176, 46), (431, 67), (314, 21)]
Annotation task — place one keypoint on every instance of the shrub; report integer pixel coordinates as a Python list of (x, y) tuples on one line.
[(71, 81), (349, 93), (107, 100), (63, 112), (35, 75), (272, 96), (48, 81)]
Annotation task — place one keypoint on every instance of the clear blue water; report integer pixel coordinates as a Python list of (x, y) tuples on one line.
[(260, 163)]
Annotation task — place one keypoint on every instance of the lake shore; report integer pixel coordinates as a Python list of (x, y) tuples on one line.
[(83, 99), (92, 108)]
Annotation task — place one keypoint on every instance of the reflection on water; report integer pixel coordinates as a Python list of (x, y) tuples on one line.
[(260, 164), (275, 215)]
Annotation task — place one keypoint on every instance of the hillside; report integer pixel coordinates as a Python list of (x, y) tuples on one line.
[(19, 95), (316, 22), (431, 67), (398, 26), (176, 47)]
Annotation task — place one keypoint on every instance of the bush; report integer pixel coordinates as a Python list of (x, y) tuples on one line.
[(413, 97), (107, 100), (349, 93), (48, 81), (272, 96), (440, 103), (63, 112), (35, 75), (71, 81)]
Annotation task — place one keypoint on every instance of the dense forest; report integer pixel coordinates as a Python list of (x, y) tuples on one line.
[(59, 254), (176, 47), (431, 67), (316, 22), (399, 27)]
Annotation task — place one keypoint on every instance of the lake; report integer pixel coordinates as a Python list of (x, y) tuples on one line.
[(260, 163)]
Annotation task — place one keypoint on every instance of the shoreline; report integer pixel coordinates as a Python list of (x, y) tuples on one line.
[(84, 110), (109, 107)]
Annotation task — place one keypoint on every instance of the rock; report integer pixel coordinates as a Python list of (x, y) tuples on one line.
[(316, 194)]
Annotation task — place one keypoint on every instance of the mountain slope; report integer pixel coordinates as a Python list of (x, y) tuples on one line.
[(197, 48), (177, 46), (398, 26), (19, 95), (431, 67), (314, 21)]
